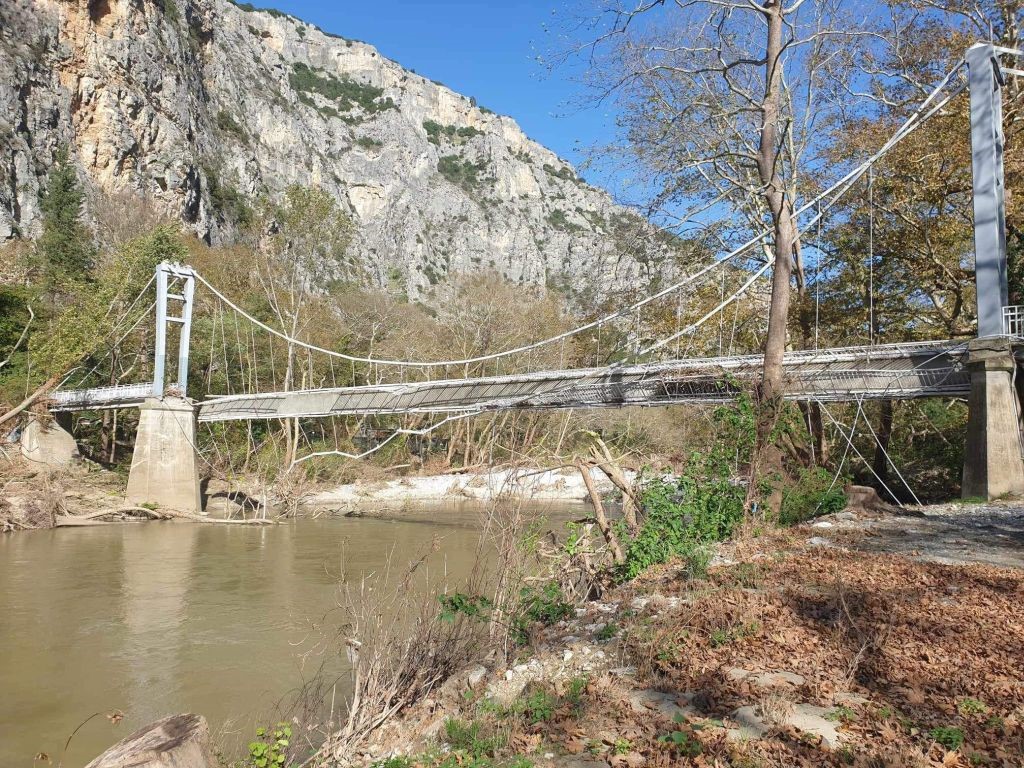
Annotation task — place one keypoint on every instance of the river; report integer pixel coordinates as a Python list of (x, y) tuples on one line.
[(156, 618)]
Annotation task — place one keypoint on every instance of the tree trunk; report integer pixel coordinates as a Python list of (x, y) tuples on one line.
[(599, 515), (767, 464), (880, 464)]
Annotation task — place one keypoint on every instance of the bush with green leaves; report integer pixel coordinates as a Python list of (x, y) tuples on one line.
[(473, 738), (813, 493), (544, 605), (65, 244), (682, 517), (270, 747), (950, 737), (347, 94), (436, 132), (461, 172)]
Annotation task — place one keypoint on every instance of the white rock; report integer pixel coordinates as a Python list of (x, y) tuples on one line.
[(476, 675)]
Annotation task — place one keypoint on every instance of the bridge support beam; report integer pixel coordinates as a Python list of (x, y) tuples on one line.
[(164, 466), (993, 466)]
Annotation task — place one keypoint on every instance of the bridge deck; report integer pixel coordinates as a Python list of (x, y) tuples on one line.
[(898, 371), (881, 372)]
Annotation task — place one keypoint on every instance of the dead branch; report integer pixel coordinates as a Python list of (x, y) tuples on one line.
[(613, 471), (47, 385), (599, 515)]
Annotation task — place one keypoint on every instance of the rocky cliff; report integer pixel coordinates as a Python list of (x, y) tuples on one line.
[(204, 107)]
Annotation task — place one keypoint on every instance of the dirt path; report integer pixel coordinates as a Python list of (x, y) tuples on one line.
[(953, 534)]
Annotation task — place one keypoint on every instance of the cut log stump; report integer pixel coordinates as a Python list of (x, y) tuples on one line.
[(178, 741), (863, 498)]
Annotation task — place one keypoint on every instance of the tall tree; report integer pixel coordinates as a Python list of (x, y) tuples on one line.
[(720, 104), (302, 247), (66, 244)]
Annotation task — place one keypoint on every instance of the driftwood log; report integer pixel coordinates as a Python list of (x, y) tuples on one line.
[(178, 741)]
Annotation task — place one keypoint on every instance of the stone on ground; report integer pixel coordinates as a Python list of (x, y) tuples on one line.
[(752, 725)]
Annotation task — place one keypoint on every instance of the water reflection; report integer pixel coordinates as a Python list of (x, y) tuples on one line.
[(169, 617)]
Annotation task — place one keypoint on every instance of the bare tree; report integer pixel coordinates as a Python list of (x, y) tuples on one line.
[(720, 104), (302, 246)]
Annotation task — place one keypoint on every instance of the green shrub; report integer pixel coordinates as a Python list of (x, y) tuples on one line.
[(949, 737), (461, 604), (539, 707), (681, 518), (367, 143), (558, 220), (462, 173), (227, 202), (228, 124), (565, 172), (810, 495), (545, 606), (270, 749), (346, 93), (436, 131)]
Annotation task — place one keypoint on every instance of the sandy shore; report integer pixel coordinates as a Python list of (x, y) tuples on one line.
[(564, 485)]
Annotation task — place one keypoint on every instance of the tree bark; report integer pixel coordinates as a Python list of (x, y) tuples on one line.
[(767, 464), (49, 384), (599, 514), (880, 464)]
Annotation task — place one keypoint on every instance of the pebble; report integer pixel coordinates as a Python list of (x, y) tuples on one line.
[(567, 655), (822, 524), (818, 541)]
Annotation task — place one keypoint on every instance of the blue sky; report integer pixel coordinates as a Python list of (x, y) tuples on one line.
[(479, 48)]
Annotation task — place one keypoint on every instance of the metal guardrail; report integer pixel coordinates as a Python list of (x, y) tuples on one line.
[(1013, 320), (101, 397)]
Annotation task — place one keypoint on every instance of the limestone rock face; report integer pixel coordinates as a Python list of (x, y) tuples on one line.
[(203, 107)]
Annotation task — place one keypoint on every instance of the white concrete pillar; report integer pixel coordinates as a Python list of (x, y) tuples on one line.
[(46, 441), (164, 466), (993, 467)]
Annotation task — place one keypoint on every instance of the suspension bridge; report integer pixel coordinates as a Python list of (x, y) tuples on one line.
[(302, 382)]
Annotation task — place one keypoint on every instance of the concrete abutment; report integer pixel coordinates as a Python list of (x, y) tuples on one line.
[(993, 467), (164, 469)]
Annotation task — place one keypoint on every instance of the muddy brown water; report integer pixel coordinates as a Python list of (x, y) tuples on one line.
[(157, 618)]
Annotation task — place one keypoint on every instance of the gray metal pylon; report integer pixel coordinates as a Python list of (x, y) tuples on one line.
[(989, 204), (167, 274)]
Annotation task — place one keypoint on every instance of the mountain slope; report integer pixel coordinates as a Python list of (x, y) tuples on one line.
[(205, 107)]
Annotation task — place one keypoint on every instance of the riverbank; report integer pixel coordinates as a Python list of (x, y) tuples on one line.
[(34, 496), (524, 483), (809, 646)]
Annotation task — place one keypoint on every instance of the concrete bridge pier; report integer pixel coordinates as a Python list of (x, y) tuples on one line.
[(164, 466), (993, 466)]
